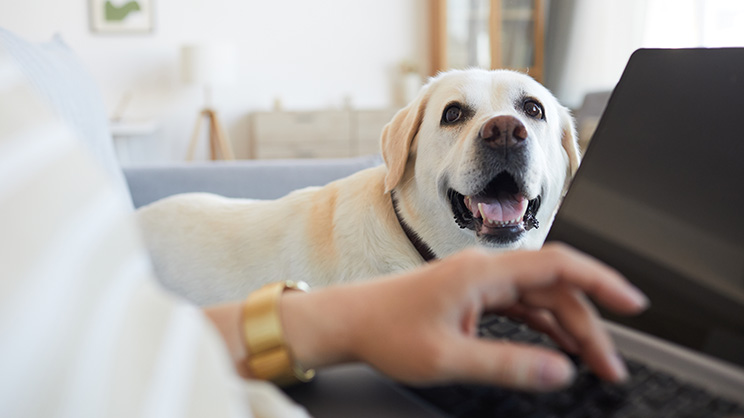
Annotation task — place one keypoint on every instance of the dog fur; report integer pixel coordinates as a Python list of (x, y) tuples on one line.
[(212, 249)]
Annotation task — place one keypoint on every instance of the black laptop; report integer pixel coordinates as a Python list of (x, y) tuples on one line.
[(660, 197)]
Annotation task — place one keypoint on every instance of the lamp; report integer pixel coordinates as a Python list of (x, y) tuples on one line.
[(209, 65)]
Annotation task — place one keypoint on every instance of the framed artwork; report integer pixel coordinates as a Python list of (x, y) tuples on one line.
[(121, 16)]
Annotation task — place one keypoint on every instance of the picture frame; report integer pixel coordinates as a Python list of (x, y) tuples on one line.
[(121, 16)]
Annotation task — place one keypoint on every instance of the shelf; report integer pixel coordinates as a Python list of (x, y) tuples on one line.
[(489, 34)]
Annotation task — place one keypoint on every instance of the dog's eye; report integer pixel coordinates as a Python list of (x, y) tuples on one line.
[(533, 109), (452, 114)]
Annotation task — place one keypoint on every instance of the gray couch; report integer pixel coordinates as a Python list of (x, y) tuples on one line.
[(61, 80), (255, 179)]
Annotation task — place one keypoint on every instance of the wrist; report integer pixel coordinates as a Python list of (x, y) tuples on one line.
[(318, 326), (224, 318)]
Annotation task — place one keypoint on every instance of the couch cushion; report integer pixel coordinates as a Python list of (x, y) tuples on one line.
[(62, 81), (252, 179)]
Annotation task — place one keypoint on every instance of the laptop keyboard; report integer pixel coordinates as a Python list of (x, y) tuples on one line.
[(647, 393)]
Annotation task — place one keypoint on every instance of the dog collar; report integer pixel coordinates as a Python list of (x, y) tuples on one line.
[(423, 249)]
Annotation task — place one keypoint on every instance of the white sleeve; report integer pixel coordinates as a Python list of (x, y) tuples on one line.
[(85, 331)]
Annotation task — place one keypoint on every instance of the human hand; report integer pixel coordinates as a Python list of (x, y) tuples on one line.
[(421, 326)]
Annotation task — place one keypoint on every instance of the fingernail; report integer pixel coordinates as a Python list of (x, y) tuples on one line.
[(618, 367), (639, 298), (555, 374)]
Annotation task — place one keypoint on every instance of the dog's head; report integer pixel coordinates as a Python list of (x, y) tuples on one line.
[(488, 152)]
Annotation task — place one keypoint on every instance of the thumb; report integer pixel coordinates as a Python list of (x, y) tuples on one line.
[(513, 365)]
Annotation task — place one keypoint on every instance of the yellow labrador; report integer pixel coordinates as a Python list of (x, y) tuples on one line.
[(478, 158)]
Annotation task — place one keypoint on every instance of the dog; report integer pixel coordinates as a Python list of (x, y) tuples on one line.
[(477, 158)]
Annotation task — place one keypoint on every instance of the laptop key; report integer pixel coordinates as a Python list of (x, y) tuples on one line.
[(561, 401), (514, 406), (694, 394), (659, 396), (611, 395), (502, 329), (722, 406)]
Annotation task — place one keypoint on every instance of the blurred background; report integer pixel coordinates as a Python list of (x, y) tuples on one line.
[(311, 79)]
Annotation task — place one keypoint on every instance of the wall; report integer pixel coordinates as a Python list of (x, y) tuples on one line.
[(588, 42), (308, 54)]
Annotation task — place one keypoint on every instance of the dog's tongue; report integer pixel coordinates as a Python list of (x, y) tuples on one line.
[(503, 208)]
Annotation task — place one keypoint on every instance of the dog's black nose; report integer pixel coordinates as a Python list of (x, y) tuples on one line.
[(501, 131)]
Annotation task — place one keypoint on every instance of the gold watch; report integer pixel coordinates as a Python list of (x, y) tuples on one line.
[(269, 357)]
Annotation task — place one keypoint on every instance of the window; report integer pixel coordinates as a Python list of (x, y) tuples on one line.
[(694, 23)]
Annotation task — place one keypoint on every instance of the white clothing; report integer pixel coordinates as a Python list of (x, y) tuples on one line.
[(85, 330)]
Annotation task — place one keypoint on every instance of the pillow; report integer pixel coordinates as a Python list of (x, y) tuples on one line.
[(62, 81)]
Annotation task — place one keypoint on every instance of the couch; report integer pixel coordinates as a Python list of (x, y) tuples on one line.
[(61, 80), (253, 179)]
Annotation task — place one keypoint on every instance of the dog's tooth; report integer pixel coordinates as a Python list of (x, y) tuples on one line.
[(480, 209), (469, 203)]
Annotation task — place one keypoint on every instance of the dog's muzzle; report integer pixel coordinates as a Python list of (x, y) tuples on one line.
[(501, 212)]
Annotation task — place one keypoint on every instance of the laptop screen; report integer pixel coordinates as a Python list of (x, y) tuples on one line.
[(660, 195)]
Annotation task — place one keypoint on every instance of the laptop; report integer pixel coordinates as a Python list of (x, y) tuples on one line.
[(660, 197)]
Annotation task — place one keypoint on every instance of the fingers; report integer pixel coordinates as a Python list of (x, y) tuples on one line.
[(551, 285), (512, 365), (570, 321), (579, 320), (557, 263)]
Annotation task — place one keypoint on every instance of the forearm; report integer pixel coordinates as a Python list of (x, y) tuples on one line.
[(227, 319), (319, 326)]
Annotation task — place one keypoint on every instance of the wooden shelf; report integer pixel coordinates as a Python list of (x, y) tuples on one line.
[(507, 47)]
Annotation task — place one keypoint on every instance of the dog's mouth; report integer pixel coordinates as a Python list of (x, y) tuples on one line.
[(500, 213)]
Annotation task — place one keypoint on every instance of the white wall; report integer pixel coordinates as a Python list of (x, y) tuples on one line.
[(601, 37), (308, 53), (604, 33)]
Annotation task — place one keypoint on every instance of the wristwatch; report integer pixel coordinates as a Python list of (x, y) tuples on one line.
[(269, 357)]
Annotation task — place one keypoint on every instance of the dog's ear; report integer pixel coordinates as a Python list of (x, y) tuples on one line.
[(397, 137), (570, 143)]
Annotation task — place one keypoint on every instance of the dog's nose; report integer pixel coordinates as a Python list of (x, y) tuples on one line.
[(501, 131)]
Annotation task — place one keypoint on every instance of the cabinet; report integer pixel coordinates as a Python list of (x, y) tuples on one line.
[(488, 34), (317, 134)]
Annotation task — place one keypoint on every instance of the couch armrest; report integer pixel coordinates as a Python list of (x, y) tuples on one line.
[(254, 179)]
